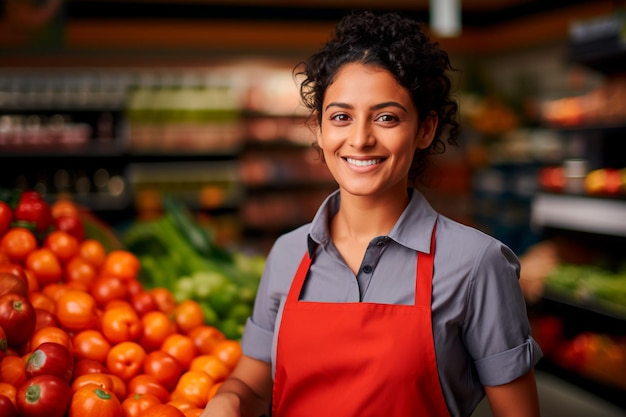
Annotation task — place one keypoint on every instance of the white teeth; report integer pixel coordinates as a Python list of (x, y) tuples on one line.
[(361, 163)]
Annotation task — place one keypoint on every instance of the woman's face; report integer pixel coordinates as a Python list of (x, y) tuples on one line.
[(370, 130)]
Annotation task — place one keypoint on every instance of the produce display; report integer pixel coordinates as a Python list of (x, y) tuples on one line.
[(600, 357), (175, 252), (82, 335)]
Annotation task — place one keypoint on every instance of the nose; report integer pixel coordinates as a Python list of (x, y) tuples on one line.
[(362, 136)]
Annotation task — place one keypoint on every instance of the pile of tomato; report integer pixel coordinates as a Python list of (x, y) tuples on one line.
[(81, 336)]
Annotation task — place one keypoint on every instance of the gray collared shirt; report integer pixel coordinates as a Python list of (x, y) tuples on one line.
[(480, 324)]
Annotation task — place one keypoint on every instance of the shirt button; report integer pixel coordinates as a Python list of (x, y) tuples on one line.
[(380, 242), (367, 269)]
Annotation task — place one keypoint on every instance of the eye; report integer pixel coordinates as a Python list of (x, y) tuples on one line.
[(387, 118), (340, 117)]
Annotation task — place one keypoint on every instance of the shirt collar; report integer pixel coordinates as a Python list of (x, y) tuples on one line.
[(413, 229)]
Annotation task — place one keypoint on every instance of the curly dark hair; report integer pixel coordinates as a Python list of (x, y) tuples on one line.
[(400, 46)]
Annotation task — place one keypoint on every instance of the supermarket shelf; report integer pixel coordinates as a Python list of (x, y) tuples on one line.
[(579, 213)]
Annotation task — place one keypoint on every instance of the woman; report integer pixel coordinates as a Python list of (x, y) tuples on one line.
[(381, 306)]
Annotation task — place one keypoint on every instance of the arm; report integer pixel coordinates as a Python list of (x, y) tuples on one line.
[(246, 392), (518, 398)]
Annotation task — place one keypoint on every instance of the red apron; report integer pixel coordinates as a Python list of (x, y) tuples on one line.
[(358, 359)]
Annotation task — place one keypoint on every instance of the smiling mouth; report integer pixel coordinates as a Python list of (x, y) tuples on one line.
[(363, 163)]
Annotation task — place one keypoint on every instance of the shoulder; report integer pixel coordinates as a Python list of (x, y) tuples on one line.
[(474, 248), (285, 255)]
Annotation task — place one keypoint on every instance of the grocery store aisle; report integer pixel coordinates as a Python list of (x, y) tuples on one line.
[(561, 399)]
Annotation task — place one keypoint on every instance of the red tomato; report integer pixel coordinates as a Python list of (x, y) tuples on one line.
[(187, 315), (147, 384), (143, 303), (119, 387), (77, 310), (163, 367), (164, 298), (3, 343), (33, 282), (12, 370), (79, 270), (88, 366), (157, 326), (6, 217), (163, 410), (9, 391), (205, 338), (193, 386), (44, 396), (44, 318), (15, 269), (122, 264), (17, 318), (121, 324), (17, 243), (126, 360), (51, 334), (12, 284), (134, 287), (228, 351), (41, 301), (95, 402), (50, 359), (181, 347), (101, 380), (136, 404), (91, 344), (107, 288), (64, 207), (7, 408), (46, 266), (62, 244), (70, 224), (92, 251), (32, 208)]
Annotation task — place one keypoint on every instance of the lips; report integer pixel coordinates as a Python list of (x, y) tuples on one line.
[(363, 162)]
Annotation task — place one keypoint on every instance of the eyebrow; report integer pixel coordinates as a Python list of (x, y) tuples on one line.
[(374, 107)]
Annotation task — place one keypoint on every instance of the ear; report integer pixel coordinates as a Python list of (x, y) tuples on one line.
[(426, 131), (317, 130)]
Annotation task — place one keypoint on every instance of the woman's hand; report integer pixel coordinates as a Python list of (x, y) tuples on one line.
[(222, 405), (246, 392)]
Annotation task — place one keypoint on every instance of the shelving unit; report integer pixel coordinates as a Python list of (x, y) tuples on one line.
[(594, 220), (586, 214)]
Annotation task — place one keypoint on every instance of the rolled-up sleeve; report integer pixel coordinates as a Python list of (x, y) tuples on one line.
[(496, 329), (504, 367), (257, 341)]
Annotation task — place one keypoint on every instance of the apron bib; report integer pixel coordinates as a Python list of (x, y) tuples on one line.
[(358, 359)]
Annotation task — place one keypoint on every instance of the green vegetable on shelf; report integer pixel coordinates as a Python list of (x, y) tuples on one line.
[(177, 253)]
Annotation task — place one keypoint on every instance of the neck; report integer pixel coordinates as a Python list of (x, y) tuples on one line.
[(362, 219)]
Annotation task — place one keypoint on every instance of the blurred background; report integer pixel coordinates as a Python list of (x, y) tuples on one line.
[(117, 103)]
